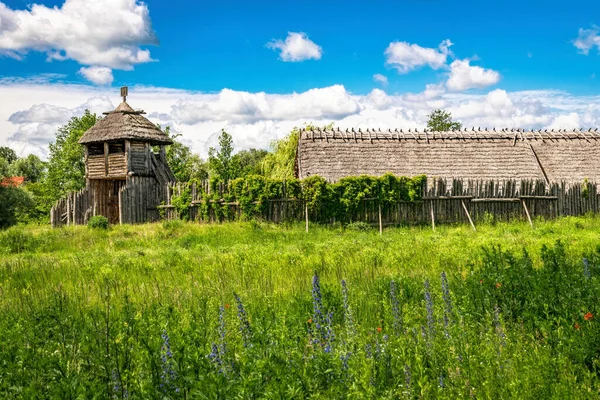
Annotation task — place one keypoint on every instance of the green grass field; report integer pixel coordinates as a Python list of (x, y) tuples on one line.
[(149, 311)]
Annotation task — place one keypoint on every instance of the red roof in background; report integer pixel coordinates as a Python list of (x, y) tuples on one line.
[(14, 181)]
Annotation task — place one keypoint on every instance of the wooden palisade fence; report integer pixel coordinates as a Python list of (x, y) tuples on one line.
[(442, 202)]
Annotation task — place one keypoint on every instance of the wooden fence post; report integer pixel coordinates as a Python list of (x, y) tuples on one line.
[(432, 216), (306, 214), (380, 221)]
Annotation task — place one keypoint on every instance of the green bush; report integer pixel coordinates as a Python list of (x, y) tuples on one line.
[(98, 222)]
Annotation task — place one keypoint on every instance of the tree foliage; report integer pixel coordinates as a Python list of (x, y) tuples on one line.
[(220, 161), (30, 167), (441, 121), (8, 154), (248, 162), (66, 167), (185, 165)]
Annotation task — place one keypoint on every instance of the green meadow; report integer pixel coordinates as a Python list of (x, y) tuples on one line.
[(252, 310)]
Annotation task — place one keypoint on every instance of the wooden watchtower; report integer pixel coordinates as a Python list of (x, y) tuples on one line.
[(126, 170)]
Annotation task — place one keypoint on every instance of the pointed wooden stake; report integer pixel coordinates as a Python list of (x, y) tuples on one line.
[(432, 216), (527, 212)]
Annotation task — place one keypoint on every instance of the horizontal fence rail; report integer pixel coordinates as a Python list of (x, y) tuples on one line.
[(441, 202)]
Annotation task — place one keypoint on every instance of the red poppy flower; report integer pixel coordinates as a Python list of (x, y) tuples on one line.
[(226, 305), (378, 329), (310, 320), (588, 316), (498, 285), (577, 326)]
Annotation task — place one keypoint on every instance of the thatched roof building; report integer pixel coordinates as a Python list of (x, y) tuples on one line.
[(553, 156), (125, 123)]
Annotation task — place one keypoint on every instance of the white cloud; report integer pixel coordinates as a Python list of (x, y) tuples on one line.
[(296, 47), (381, 79), (405, 56), (464, 76), (97, 75), (104, 33), (28, 122), (587, 39), (324, 103)]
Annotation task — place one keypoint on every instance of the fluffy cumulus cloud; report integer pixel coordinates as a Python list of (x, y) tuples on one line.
[(29, 121), (405, 56), (465, 76), (97, 33), (97, 75), (587, 39), (296, 47)]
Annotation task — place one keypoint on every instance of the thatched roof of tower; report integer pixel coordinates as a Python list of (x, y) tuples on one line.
[(125, 123), (562, 155)]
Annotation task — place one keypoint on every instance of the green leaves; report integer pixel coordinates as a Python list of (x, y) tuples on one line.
[(441, 121)]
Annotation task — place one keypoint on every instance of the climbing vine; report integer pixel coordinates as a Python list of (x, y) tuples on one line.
[(341, 201)]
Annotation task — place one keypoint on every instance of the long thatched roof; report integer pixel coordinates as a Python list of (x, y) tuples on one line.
[(562, 155), (125, 123)]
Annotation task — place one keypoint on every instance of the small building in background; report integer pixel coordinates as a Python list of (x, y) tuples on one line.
[(126, 171)]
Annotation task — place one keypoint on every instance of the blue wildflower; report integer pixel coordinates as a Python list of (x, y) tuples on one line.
[(245, 328), (586, 268), (168, 375), (429, 305)]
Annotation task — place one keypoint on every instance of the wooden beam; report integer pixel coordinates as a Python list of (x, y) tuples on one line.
[(105, 158), (527, 213), (306, 214), (380, 221), (468, 215), (539, 163)]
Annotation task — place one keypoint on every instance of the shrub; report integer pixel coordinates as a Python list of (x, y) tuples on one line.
[(98, 222), (16, 240), (359, 226)]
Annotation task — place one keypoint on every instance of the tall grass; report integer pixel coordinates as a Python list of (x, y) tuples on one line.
[(149, 311)]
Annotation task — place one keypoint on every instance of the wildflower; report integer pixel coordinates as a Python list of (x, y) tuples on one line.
[(396, 312), (378, 329), (119, 392), (310, 321), (499, 330), (586, 268), (441, 381), (407, 376), (588, 316), (481, 281), (498, 285), (245, 329), (167, 376), (226, 305), (323, 333), (577, 326), (219, 351)]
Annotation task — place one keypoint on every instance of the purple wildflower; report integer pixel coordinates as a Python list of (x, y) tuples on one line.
[(245, 328), (323, 334), (586, 268), (119, 392), (168, 375)]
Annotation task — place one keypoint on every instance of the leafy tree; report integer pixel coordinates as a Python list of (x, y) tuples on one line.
[(248, 162), (4, 167), (221, 162), (281, 162), (31, 167), (441, 121), (66, 167), (184, 164), (8, 154)]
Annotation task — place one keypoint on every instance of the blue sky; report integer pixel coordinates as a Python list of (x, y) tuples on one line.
[(211, 45), (258, 68)]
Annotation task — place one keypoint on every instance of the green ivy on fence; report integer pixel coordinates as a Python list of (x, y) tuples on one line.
[(325, 201)]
